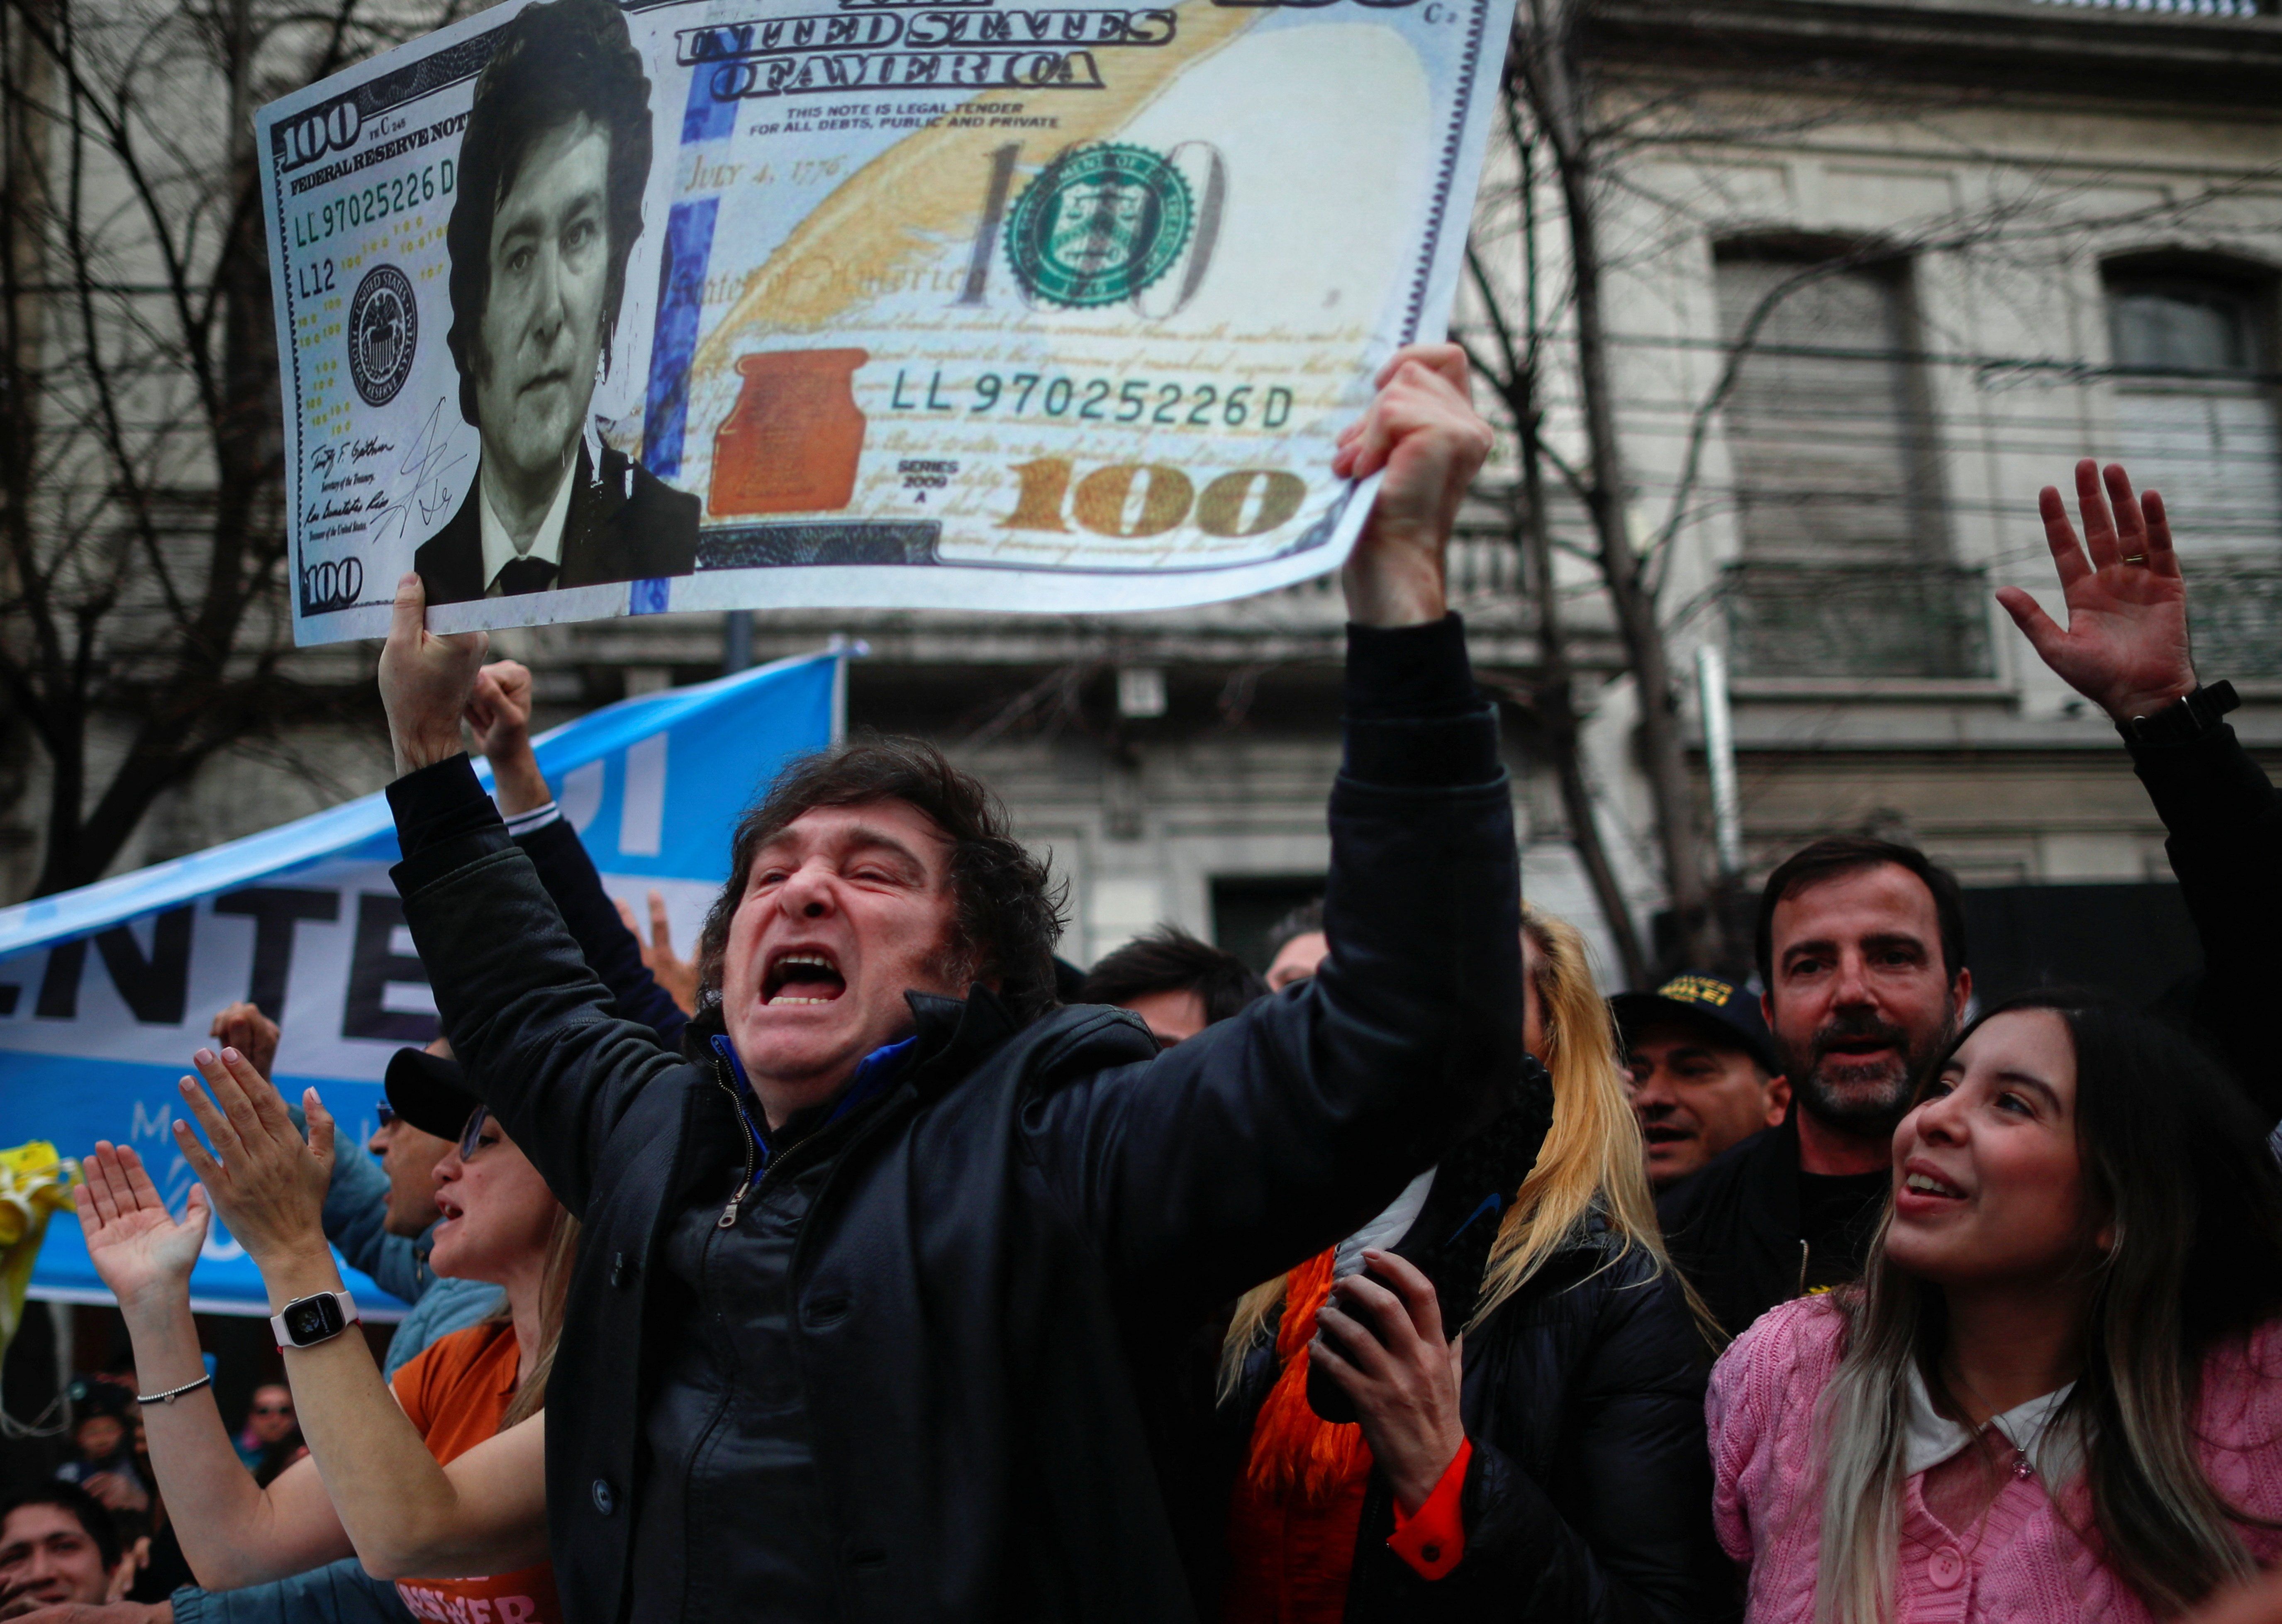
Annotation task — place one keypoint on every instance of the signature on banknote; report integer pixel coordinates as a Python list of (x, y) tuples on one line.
[(427, 460)]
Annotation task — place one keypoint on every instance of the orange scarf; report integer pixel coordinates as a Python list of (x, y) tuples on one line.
[(1295, 1510)]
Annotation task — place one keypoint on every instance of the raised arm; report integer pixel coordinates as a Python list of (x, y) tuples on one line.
[(539, 1034), (1270, 1135), (498, 714), (407, 1515), (232, 1532), (2126, 650)]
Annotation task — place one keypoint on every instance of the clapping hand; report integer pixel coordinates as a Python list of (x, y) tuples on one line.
[(268, 1186), (2126, 647), (1403, 1380), (139, 1250)]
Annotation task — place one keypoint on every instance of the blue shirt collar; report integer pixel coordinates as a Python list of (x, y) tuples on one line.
[(874, 1074)]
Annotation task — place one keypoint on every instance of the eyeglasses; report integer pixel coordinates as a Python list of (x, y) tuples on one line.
[(471, 1137), (384, 1113)]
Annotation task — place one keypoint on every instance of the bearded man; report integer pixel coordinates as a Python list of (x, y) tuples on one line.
[(1861, 950)]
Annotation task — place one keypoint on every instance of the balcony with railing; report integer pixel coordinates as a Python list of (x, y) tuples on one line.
[(2236, 615), (1855, 621)]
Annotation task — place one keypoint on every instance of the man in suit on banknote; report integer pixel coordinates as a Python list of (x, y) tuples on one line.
[(552, 168)]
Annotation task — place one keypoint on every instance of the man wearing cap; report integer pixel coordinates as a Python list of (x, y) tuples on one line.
[(1703, 1069), (429, 1102)]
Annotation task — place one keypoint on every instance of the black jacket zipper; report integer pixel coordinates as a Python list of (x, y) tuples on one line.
[(728, 1218)]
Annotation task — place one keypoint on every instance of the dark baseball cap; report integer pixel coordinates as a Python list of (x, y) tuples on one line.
[(1729, 1012), (431, 1092)]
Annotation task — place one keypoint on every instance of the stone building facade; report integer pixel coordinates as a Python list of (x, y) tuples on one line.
[(2038, 229)]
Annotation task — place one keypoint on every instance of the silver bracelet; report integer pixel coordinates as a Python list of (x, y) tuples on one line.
[(172, 1394)]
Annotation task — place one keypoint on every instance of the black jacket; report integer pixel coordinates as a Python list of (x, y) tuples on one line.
[(1732, 1227), (612, 950), (624, 525), (1588, 1496), (1034, 1215), (2224, 820)]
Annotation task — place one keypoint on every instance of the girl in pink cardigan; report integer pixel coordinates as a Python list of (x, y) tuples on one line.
[(2057, 1394)]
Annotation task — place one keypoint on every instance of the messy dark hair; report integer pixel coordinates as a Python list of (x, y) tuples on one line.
[(1834, 857), (553, 63), (90, 1511), (1169, 960), (1009, 906), (1306, 920)]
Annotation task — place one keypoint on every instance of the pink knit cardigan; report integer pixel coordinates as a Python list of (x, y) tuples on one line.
[(2030, 1563)]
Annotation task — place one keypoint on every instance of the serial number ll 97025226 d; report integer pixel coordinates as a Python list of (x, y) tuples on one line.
[(1163, 405)]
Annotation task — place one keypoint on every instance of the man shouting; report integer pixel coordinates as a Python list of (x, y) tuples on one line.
[(872, 1283)]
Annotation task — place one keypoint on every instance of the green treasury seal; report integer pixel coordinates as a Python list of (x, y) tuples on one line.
[(1099, 225)]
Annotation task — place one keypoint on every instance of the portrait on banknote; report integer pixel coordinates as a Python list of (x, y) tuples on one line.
[(589, 310)]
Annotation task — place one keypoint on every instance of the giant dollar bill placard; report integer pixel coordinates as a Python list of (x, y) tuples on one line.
[(588, 311)]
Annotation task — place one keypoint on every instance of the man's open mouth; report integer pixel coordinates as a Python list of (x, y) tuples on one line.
[(1660, 1133), (803, 978)]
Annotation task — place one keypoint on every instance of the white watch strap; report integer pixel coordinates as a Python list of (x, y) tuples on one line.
[(284, 1337)]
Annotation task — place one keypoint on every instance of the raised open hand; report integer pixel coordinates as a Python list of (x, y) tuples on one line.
[(268, 1187), (677, 974), (2126, 647), (138, 1248)]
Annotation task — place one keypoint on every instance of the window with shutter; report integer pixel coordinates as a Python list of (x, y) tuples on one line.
[(2196, 418), (1845, 569), (1824, 425)]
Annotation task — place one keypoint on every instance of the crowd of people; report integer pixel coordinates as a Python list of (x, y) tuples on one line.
[(879, 1265)]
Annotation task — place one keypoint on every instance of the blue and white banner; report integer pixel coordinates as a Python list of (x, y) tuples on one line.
[(105, 992)]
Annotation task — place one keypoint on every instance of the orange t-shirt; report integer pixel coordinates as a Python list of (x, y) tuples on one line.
[(455, 1392)]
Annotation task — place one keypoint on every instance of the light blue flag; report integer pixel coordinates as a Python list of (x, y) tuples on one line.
[(105, 992)]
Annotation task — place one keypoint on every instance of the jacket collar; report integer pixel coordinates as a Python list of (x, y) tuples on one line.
[(954, 1036), (874, 1074)]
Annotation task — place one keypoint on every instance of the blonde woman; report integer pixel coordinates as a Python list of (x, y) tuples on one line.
[(1551, 1464)]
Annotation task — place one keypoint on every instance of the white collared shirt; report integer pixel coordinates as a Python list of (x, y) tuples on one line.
[(2053, 1444), (500, 549)]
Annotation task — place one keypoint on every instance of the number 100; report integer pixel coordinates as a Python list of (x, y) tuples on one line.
[(1148, 498)]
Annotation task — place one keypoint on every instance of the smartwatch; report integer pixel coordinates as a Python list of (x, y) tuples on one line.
[(2185, 718), (307, 1321)]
